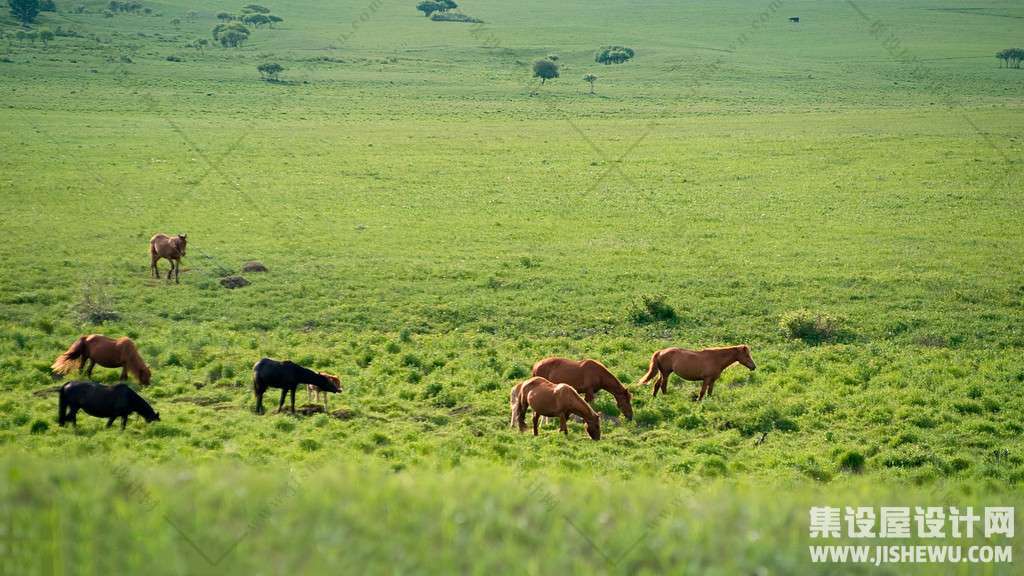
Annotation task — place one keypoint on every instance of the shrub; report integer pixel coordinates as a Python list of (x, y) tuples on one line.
[(808, 326), (96, 306), (270, 70), (545, 70), (429, 7), (309, 445), (516, 372), (231, 34), (173, 58), (613, 54), (39, 427), (255, 9), (647, 418), (454, 17), (652, 309), (852, 461)]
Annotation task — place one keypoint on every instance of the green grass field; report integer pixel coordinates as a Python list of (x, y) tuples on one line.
[(435, 221)]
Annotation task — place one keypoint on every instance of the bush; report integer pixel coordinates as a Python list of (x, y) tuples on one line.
[(613, 54), (852, 461), (652, 309), (96, 306), (270, 70), (39, 427), (454, 17), (173, 58), (24, 10), (231, 34), (808, 326)]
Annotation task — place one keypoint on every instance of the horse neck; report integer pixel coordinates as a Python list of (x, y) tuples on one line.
[(727, 356), (133, 361), (610, 383), (580, 407)]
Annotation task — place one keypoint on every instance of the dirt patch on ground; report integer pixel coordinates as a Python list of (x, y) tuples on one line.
[(232, 282)]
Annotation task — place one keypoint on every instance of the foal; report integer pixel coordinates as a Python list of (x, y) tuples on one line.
[(550, 399), (695, 365), (170, 247)]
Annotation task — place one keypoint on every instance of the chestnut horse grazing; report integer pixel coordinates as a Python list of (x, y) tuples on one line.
[(695, 365), (106, 352), (588, 377), (550, 399), (170, 247)]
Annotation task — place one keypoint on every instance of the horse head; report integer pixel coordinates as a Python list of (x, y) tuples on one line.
[(333, 381), (144, 375), (743, 357), (594, 427), (151, 417), (624, 400), (182, 242)]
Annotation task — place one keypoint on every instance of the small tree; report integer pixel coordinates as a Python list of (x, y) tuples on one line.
[(225, 16), (270, 70), (272, 19), (45, 34), (590, 78), (255, 9), (613, 54), (1011, 57), (256, 20), (545, 70), (24, 10), (230, 35), (428, 7)]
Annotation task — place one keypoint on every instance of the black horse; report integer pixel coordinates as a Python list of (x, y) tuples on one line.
[(111, 402), (287, 376)]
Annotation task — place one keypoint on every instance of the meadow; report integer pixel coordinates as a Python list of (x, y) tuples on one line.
[(434, 221)]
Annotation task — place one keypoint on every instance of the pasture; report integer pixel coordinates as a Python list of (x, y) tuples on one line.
[(434, 221)]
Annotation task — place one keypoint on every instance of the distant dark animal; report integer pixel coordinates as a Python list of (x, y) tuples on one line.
[(695, 365), (287, 376), (106, 352), (110, 402), (170, 247), (794, 18), (550, 399), (588, 377)]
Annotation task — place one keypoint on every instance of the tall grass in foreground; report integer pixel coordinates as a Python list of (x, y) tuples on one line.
[(92, 517)]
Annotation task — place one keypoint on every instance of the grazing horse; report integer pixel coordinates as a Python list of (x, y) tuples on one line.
[(110, 402), (695, 365), (588, 377), (106, 352), (287, 376), (550, 399), (170, 247)]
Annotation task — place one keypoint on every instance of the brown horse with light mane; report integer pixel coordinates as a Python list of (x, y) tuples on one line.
[(170, 247), (107, 352), (695, 365), (550, 399), (588, 377)]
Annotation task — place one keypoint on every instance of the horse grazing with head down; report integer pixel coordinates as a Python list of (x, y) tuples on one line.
[(110, 402), (550, 399), (588, 377), (287, 376), (170, 247), (695, 365), (106, 352)]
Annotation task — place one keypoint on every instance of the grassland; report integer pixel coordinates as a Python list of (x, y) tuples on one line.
[(434, 222)]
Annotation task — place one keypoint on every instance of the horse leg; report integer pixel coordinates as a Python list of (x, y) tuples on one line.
[(110, 421), (704, 388), (124, 373), (177, 269), (589, 397), (73, 416), (152, 265), (92, 364), (293, 400), (561, 426), (711, 386), (284, 394), (536, 418), (259, 402), (124, 421)]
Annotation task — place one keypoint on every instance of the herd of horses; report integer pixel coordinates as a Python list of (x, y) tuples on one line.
[(558, 388)]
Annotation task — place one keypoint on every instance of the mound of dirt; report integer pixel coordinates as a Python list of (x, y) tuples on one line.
[(254, 266), (232, 282)]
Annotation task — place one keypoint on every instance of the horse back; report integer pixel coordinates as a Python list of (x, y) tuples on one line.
[(99, 400)]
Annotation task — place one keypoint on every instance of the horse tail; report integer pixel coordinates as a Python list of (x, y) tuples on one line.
[(517, 405), (651, 370), (62, 405), (66, 362)]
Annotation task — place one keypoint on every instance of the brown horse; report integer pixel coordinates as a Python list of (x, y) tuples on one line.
[(550, 399), (588, 377), (107, 352), (170, 247), (695, 365)]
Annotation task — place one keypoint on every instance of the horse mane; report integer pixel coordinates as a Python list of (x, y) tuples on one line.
[(587, 412), (134, 361), (610, 382)]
